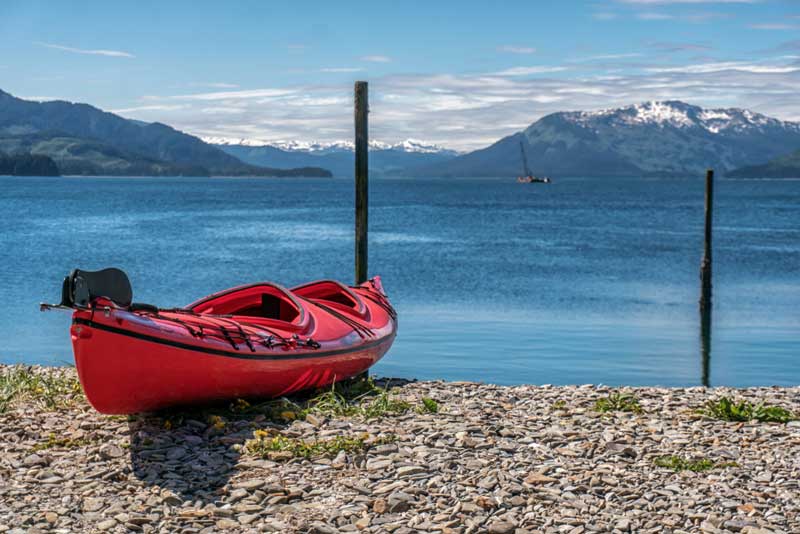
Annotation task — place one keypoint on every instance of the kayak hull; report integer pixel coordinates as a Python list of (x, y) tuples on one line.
[(129, 362)]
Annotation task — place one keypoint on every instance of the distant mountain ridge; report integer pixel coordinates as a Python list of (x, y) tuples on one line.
[(787, 166), (83, 139), (337, 156), (409, 145), (659, 138)]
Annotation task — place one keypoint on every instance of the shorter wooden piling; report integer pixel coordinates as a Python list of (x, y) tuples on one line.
[(705, 284), (705, 348)]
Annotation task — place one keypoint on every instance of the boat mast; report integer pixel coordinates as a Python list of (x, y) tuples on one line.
[(526, 171)]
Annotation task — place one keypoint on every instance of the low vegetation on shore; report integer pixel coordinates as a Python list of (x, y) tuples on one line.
[(52, 389), (402, 457), (617, 402), (726, 409), (677, 463)]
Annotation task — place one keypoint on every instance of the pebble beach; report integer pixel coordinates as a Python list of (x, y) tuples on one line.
[(460, 457)]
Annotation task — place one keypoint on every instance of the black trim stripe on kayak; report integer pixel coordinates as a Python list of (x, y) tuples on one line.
[(229, 354)]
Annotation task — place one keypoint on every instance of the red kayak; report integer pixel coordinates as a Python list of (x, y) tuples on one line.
[(257, 340)]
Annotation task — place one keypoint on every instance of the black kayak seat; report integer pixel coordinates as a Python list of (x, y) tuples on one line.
[(80, 288)]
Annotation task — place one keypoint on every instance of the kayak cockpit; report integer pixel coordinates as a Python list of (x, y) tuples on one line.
[(264, 300), (332, 293)]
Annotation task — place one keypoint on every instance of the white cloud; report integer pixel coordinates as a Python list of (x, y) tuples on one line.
[(525, 71), (705, 68), (216, 85), (698, 18), (583, 90), (376, 59), (603, 57), (236, 95), (100, 52), (775, 26), (222, 110), (511, 49), (309, 100), (41, 98), (694, 18)]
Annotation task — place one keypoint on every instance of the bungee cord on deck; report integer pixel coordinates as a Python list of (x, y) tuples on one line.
[(359, 329), (234, 338)]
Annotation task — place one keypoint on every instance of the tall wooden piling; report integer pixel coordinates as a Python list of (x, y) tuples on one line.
[(705, 284), (362, 179), (705, 264)]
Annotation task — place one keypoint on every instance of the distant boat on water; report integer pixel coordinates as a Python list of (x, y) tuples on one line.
[(527, 176)]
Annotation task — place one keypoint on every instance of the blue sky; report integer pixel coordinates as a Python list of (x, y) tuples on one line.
[(461, 74)]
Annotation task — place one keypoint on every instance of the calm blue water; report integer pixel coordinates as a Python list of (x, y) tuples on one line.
[(582, 281)]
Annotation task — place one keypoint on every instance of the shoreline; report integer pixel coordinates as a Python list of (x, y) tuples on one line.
[(481, 458)]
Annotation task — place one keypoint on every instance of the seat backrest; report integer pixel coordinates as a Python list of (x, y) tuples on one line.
[(82, 287)]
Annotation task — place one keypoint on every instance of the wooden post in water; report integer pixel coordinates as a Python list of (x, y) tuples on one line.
[(705, 283), (705, 264), (705, 347), (362, 179)]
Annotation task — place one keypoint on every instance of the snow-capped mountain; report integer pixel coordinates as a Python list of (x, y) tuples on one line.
[(409, 145), (653, 138), (681, 115), (336, 156)]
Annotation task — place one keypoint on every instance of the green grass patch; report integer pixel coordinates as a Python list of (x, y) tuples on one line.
[(267, 446), (676, 463), (618, 402), (428, 405), (360, 398), (54, 442), (330, 403), (382, 405), (48, 388), (725, 409), (560, 405), (370, 405)]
